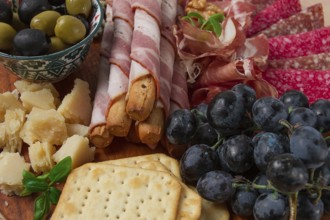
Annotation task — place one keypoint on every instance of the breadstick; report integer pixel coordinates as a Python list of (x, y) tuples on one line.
[(151, 130), (100, 137), (132, 135), (141, 98), (118, 122)]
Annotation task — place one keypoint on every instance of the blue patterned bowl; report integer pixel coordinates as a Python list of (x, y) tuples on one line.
[(56, 66)]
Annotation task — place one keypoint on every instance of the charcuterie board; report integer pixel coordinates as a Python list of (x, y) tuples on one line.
[(12, 208)]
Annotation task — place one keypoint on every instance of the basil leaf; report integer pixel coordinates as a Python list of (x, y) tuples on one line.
[(189, 19), (199, 17), (61, 170), (36, 185), (28, 176), (218, 17), (43, 176), (41, 206), (217, 29), (25, 192), (54, 195)]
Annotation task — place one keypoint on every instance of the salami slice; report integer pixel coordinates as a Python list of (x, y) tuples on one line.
[(270, 15), (309, 19), (312, 62), (302, 44), (314, 83)]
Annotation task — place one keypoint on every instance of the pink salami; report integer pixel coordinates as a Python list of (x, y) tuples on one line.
[(309, 19), (314, 83), (312, 62), (302, 44), (270, 15)]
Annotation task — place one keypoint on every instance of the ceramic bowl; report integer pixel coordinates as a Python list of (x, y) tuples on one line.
[(56, 66)]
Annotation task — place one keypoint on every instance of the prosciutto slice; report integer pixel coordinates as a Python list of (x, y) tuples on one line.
[(314, 83), (102, 98), (302, 44), (312, 62), (280, 9), (145, 47), (309, 19)]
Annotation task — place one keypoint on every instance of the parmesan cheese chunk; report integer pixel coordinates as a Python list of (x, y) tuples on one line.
[(41, 156), (26, 86), (11, 169), (44, 126), (78, 148), (2, 135), (8, 101), (78, 129), (76, 107), (42, 99)]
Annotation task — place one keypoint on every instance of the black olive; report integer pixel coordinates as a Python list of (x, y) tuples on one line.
[(31, 42), (29, 8), (6, 14)]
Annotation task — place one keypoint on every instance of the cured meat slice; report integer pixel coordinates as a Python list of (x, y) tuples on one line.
[(270, 15), (302, 44), (169, 15), (311, 62), (122, 9), (308, 19), (314, 83)]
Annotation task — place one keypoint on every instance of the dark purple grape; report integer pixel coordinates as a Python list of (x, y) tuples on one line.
[(302, 116), (321, 108), (29, 8), (326, 200), (261, 179), (322, 174), (248, 94), (271, 207), (308, 144), (205, 134), (294, 98), (243, 200), (237, 153), (266, 146), (306, 210), (56, 2), (225, 111), (196, 161), (287, 173), (201, 112), (215, 186), (267, 113), (6, 14), (181, 126)]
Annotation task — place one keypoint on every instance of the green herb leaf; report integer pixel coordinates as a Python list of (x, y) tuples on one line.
[(54, 195), (28, 176), (41, 206), (36, 185), (217, 29), (60, 171), (43, 176), (189, 17)]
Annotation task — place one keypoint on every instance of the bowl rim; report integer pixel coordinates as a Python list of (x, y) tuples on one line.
[(73, 47)]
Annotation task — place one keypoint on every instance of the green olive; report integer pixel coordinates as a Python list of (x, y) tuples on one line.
[(70, 29), (76, 7), (17, 24), (45, 21), (7, 34), (57, 45)]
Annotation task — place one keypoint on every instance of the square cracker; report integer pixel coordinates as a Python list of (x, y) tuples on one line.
[(106, 191), (190, 203), (169, 162)]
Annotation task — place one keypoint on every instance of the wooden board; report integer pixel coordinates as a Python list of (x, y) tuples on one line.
[(17, 208)]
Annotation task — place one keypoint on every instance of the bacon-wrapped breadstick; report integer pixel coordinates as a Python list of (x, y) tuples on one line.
[(98, 133)]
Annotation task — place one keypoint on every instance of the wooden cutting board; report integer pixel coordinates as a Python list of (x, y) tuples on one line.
[(19, 208)]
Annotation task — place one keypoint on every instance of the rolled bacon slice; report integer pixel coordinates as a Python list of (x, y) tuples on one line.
[(270, 15), (302, 44), (308, 19), (311, 62), (314, 83)]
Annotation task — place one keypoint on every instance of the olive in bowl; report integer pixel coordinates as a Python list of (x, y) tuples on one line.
[(61, 59)]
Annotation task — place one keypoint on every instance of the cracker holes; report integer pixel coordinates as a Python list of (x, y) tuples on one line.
[(113, 171), (168, 193), (107, 215), (109, 192), (88, 189), (79, 212), (126, 202), (150, 197), (85, 197), (105, 207), (98, 191), (122, 182), (117, 217), (83, 204), (142, 201), (107, 199), (123, 210), (128, 194), (159, 199), (78, 189), (98, 179), (164, 210)]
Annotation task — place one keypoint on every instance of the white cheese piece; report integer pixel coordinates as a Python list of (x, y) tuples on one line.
[(8, 101), (42, 99), (41, 156), (2, 135), (76, 107), (11, 169), (78, 129), (44, 126), (78, 148)]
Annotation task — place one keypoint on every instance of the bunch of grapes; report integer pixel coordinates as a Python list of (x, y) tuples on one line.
[(267, 158)]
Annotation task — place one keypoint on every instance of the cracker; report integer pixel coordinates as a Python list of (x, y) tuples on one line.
[(214, 211), (169, 162), (106, 191)]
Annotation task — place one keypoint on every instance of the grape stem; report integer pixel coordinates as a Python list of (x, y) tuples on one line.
[(287, 124), (293, 200)]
